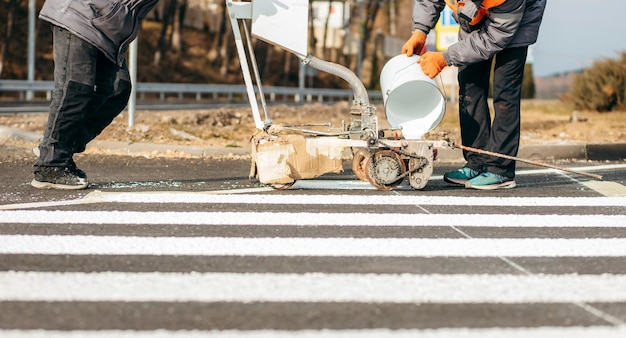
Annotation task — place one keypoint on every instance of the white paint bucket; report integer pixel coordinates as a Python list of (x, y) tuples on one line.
[(412, 100)]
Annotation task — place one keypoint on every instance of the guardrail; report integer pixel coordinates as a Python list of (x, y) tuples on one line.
[(215, 93)]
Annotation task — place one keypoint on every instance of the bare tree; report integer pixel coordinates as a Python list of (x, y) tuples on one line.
[(365, 15), (178, 24), (12, 14), (169, 6), (172, 19), (325, 35), (226, 38)]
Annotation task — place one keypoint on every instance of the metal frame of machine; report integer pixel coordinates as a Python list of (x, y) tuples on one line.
[(283, 154)]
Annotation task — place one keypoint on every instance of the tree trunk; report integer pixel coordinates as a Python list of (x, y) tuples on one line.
[(178, 25), (367, 27), (225, 47), (162, 45), (4, 53), (325, 35), (286, 69)]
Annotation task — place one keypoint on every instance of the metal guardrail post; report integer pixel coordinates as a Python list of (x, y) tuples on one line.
[(132, 101)]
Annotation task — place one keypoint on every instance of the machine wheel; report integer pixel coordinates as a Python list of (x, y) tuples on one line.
[(384, 168), (359, 159), (420, 172)]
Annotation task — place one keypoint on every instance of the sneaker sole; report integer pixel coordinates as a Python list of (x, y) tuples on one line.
[(503, 185), (454, 181), (49, 185)]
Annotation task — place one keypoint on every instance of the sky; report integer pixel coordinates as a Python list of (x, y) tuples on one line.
[(575, 33)]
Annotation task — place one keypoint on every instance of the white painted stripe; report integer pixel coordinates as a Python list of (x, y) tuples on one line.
[(240, 197), (308, 219), (46, 204), (87, 199), (540, 332), (591, 168), (209, 198), (332, 247), (337, 185), (612, 189), (310, 287)]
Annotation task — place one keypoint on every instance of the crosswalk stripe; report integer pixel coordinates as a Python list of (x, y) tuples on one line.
[(27, 289), (542, 332), (352, 247), (308, 219), (310, 287), (210, 198)]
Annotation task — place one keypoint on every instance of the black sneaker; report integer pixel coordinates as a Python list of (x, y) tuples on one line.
[(78, 172), (67, 178), (71, 165)]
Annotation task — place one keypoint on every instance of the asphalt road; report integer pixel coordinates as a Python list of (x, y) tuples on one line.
[(189, 247)]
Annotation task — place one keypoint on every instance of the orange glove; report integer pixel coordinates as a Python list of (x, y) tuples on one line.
[(432, 63), (415, 43)]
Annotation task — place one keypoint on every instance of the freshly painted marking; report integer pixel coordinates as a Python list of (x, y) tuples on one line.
[(611, 189), (99, 197), (331, 247), (88, 200), (585, 168), (46, 204), (243, 196), (522, 332), (353, 184), (332, 184), (209, 198), (310, 287), (308, 219)]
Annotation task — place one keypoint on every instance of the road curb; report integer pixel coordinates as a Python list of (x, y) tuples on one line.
[(166, 149), (592, 151)]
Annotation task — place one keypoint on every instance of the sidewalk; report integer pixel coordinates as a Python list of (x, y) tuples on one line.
[(591, 151)]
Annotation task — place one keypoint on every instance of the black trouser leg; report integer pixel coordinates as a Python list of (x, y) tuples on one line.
[(477, 131), (507, 91), (114, 87), (90, 91), (74, 79), (474, 116)]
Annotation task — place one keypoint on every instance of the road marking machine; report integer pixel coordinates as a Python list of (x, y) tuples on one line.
[(413, 104)]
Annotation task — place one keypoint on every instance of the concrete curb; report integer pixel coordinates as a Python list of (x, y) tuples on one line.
[(166, 149), (18, 134), (592, 151)]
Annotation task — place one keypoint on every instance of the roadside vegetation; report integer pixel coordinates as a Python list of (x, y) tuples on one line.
[(601, 87), (171, 51)]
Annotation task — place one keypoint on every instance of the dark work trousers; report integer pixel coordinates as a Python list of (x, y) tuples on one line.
[(477, 130), (89, 92)]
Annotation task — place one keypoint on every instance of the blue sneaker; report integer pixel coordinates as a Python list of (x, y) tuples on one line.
[(490, 181), (460, 176)]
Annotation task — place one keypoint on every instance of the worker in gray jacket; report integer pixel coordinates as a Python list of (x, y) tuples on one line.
[(91, 80), (491, 31)]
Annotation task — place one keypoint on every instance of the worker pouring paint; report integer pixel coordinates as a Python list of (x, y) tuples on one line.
[(492, 33)]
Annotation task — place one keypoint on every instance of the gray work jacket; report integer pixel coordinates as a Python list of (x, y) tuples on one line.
[(515, 23), (109, 25)]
